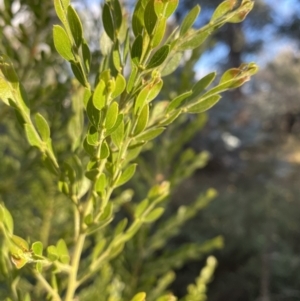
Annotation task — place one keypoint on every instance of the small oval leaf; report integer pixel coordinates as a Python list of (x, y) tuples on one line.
[(108, 22), (189, 20), (120, 86), (42, 127), (154, 215), (99, 96), (150, 134), (159, 57), (142, 120), (176, 102), (111, 115), (126, 175), (75, 25), (62, 43), (204, 104)]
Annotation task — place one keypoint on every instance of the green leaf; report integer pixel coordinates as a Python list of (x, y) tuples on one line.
[(108, 22), (147, 94), (117, 13), (204, 104), (37, 248), (101, 183), (159, 32), (93, 114), (140, 208), (62, 43), (105, 44), (137, 50), (223, 9), (120, 86), (142, 120), (202, 84), (78, 73), (62, 251), (42, 127), (27, 297), (242, 12), (52, 253), (107, 212), (176, 102), (189, 20), (132, 78), (150, 17), (120, 227), (170, 7), (154, 215), (159, 57), (60, 11), (39, 267), (138, 17), (111, 115), (99, 96), (194, 41), (172, 64), (104, 150), (126, 175), (116, 57), (65, 3), (116, 125), (149, 134), (170, 118), (32, 136), (89, 148), (5, 91), (86, 55), (75, 25), (92, 137), (139, 297), (92, 174), (233, 78), (118, 135), (7, 219), (126, 47)]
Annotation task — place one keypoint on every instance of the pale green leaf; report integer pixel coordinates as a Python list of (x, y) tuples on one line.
[(101, 183), (176, 102), (32, 136), (120, 86), (62, 251), (139, 297), (189, 20), (42, 127), (99, 96), (37, 248), (154, 215), (204, 104), (149, 134), (171, 64), (111, 115), (62, 43), (142, 120), (126, 175), (118, 135)]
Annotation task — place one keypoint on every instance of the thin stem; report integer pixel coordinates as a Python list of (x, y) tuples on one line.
[(76, 217), (47, 286), (72, 283)]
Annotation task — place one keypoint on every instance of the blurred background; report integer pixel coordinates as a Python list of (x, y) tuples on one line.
[(252, 137)]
